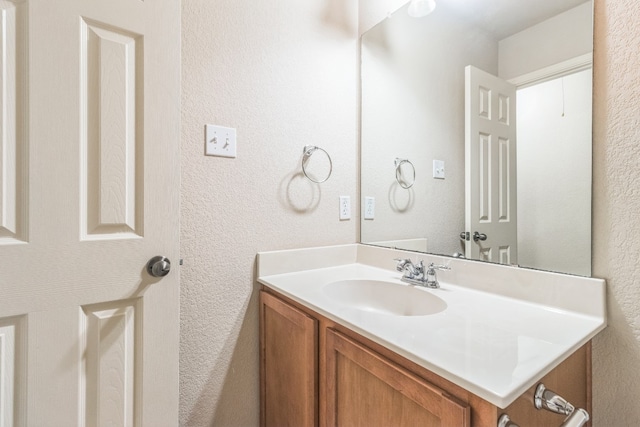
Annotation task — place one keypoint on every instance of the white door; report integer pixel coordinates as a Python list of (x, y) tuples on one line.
[(89, 174), (490, 168)]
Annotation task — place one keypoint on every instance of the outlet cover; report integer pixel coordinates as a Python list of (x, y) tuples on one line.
[(369, 207), (345, 207), (220, 141)]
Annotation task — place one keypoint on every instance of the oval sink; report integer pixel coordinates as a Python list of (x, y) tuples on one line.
[(384, 297)]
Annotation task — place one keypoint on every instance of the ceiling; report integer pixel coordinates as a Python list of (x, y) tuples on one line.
[(506, 17)]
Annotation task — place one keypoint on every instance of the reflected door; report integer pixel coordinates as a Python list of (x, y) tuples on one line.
[(490, 162), (89, 193)]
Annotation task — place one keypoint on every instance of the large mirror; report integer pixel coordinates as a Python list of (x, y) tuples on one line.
[(476, 132)]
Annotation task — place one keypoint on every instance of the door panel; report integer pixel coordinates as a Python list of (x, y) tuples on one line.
[(113, 132), (111, 339), (94, 132), (490, 162), (12, 370), (13, 143)]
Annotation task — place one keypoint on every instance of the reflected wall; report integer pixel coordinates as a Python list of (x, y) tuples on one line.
[(413, 108)]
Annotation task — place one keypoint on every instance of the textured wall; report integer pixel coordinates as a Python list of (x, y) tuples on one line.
[(284, 73), (616, 217)]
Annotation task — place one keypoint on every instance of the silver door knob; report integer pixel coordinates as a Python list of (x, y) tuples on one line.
[(159, 266), (479, 236)]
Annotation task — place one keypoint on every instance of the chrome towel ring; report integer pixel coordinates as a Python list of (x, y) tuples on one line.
[(307, 152), (401, 181)]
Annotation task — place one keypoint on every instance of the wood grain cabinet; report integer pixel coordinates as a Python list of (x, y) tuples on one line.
[(315, 372), (366, 389), (289, 365)]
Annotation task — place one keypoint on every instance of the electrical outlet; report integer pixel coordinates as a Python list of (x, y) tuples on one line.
[(220, 141), (345, 207), (369, 207)]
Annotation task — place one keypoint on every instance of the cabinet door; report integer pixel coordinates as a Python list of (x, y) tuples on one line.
[(288, 365), (365, 389)]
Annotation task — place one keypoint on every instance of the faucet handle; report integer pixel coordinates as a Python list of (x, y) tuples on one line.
[(433, 266), (401, 262)]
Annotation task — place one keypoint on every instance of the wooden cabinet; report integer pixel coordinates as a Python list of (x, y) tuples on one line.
[(365, 389), (315, 372), (288, 365)]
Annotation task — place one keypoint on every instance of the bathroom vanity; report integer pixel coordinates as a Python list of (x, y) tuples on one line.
[(344, 342)]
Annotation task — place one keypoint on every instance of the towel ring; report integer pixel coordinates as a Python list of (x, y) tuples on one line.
[(399, 162), (307, 152)]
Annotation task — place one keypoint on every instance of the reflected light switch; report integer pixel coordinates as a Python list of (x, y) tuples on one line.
[(438, 169)]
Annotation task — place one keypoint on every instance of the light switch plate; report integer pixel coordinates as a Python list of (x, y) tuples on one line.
[(438, 169), (220, 141)]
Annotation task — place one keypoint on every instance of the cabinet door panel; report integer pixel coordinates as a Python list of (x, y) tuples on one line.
[(288, 363), (365, 389)]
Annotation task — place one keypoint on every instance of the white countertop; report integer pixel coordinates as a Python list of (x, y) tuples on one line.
[(492, 345)]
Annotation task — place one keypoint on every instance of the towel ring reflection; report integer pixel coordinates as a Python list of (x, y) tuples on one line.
[(307, 152), (404, 184)]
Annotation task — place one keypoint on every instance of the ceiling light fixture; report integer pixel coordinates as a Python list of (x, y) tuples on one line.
[(420, 8)]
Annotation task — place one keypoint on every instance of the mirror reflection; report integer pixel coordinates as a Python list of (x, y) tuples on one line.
[(488, 104)]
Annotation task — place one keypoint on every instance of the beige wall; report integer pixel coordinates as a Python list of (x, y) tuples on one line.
[(284, 74), (370, 12), (554, 135), (616, 217), (563, 37)]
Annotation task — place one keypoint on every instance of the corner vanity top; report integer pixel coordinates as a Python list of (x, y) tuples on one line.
[(493, 330)]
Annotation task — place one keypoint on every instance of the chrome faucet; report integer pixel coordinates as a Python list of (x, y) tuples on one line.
[(412, 273), (415, 274), (432, 278)]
